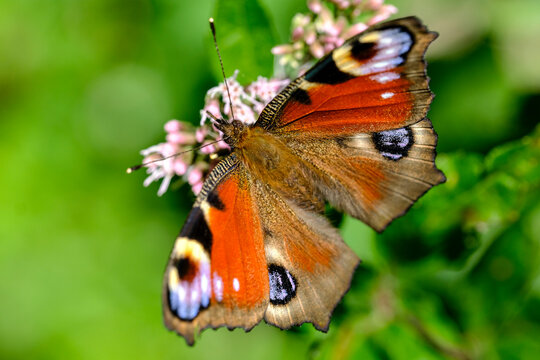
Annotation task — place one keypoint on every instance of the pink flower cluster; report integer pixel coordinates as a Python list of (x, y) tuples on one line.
[(175, 158), (180, 137), (329, 24)]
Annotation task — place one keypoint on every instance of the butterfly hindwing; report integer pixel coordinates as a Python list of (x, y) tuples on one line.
[(217, 273), (376, 81), (375, 177), (309, 265)]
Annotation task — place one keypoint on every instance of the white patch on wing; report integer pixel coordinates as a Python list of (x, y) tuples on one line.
[(218, 287), (236, 284), (387, 95), (385, 77), (391, 44)]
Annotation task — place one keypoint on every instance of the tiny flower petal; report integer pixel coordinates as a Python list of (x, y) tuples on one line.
[(384, 13), (200, 134), (310, 37), (315, 6), (208, 149), (164, 185), (223, 145), (354, 30), (179, 167), (374, 4), (297, 33), (173, 126), (317, 50), (196, 188), (180, 138), (194, 176)]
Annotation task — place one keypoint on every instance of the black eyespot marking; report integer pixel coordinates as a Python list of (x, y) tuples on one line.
[(197, 229), (282, 285), (362, 51), (301, 96), (327, 72), (214, 201), (182, 267), (394, 144)]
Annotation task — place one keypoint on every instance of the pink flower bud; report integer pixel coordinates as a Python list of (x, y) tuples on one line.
[(194, 176), (175, 138), (179, 167), (374, 4), (196, 188), (342, 4), (168, 149), (310, 37), (317, 50), (212, 106), (208, 149), (315, 6), (384, 13), (297, 33), (180, 138), (354, 30), (223, 145), (282, 49), (173, 126), (200, 134)]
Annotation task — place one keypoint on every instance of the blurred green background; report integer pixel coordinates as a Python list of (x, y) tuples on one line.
[(84, 85)]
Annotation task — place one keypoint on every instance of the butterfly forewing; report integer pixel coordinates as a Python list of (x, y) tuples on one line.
[(376, 81), (217, 274)]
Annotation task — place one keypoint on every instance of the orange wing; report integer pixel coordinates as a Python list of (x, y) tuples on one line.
[(216, 275), (376, 81)]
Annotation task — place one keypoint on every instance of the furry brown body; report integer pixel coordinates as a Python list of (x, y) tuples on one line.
[(269, 159)]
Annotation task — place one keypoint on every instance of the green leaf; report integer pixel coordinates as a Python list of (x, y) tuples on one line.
[(245, 37)]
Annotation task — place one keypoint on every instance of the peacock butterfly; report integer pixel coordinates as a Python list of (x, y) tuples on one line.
[(351, 132)]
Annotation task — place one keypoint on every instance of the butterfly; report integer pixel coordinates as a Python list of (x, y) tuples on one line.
[(352, 132)]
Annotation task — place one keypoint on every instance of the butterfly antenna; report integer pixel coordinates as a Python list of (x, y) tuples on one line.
[(213, 28), (137, 167)]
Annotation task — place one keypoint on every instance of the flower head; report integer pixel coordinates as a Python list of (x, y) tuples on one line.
[(329, 24)]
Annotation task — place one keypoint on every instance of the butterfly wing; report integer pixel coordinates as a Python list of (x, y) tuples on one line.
[(358, 118), (376, 81), (216, 275), (246, 253), (309, 265)]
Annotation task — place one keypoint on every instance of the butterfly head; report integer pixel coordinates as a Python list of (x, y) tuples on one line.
[(233, 132)]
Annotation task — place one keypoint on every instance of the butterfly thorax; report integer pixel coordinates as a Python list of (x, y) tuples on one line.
[(270, 160)]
